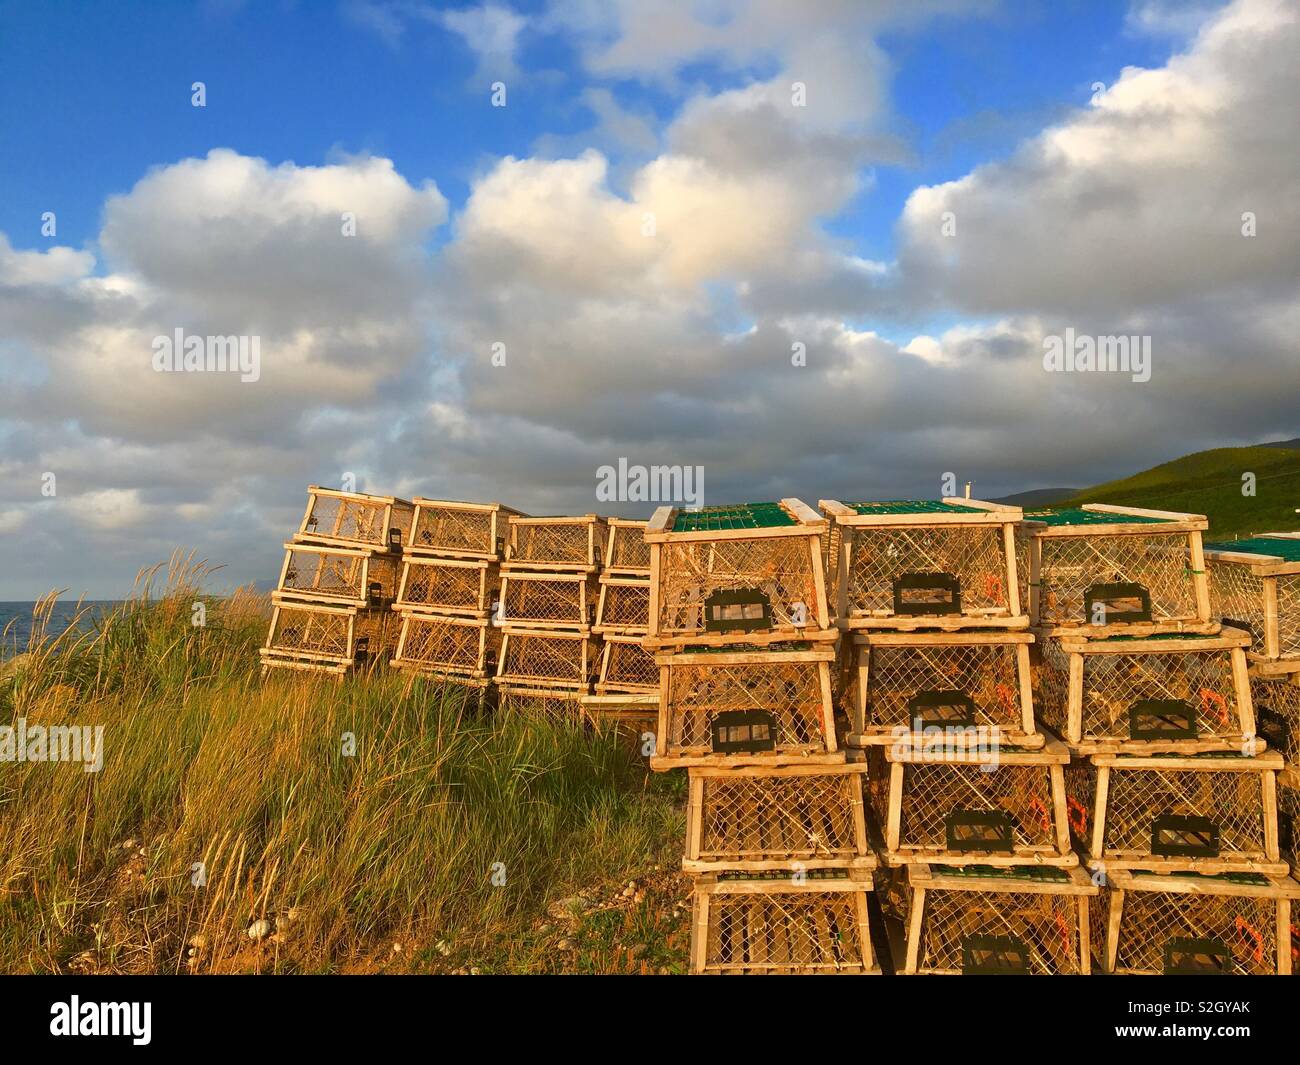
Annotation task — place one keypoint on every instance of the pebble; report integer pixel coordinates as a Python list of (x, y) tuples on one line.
[(259, 930)]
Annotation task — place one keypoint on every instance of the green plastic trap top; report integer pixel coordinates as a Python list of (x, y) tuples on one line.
[(735, 516), (1039, 874), (912, 506), (1079, 516), (1278, 547)]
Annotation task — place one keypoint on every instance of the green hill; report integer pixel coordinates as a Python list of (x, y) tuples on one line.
[(1210, 483)]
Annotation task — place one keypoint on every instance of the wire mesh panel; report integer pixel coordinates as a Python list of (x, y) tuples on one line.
[(343, 637), (1276, 702), (974, 686), (1255, 585), (959, 807), (745, 708), (1288, 820), (545, 660), (459, 530), (447, 586), (1212, 813), (1028, 921), (556, 543), (627, 667), (352, 519), (547, 600), (775, 926), (791, 817), (443, 645), (1234, 925), (624, 606), (626, 552), (337, 575), (1185, 693)]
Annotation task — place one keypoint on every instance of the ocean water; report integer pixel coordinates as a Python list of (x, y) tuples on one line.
[(16, 620)]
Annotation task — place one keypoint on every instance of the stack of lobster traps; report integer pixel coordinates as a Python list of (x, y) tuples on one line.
[(966, 793), (1171, 795), (330, 609), (547, 609), (776, 835), (448, 589)]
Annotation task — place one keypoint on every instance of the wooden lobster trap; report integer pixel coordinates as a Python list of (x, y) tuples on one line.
[(973, 686), (573, 545), (339, 576), (327, 639), (1000, 806), (1184, 693), (547, 704), (547, 600), (1255, 585), (637, 711), (626, 552), (626, 667), (623, 608), (1276, 699), (1029, 920), (1101, 570), (451, 529), (925, 563), (546, 660), (461, 648), (720, 707), (792, 817), (745, 574), (354, 519), (452, 586), (1288, 818), (1212, 813), (1226, 925), (753, 923)]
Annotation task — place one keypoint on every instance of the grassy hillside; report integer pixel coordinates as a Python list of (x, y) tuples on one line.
[(1210, 482), (382, 860)]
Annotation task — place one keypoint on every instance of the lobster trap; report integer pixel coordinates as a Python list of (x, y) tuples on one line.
[(626, 667), (780, 818), (1026, 921), (341, 576), (1213, 813), (1105, 570), (570, 544), (745, 708), (1226, 925), (447, 646), (547, 600), (751, 573), (354, 519), (546, 660), (1276, 700), (1002, 806), (626, 552), (748, 923), (910, 564), (623, 608), (974, 686), (1255, 585), (637, 711), (329, 639), (1179, 694), (460, 587), (450, 529)]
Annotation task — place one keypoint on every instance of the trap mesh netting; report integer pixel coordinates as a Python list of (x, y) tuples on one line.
[(1153, 920), (560, 544), (1046, 925), (438, 645), (338, 576), (1071, 565), (310, 630), (1277, 714), (451, 528), (974, 554), (358, 520), (790, 932), (624, 607), (543, 599), (900, 679), (436, 586), (628, 667), (628, 549), (529, 657)]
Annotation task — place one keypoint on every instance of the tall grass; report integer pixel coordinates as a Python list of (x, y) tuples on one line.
[(350, 816)]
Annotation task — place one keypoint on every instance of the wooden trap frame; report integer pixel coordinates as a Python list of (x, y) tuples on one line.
[(751, 923), (461, 648), (546, 661), (1000, 807), (1225, 925), (969, 684), (1102, 570), (1212, 813), (731, 708), (547, 600), (1276, 699), (452, 586), (1026, 921), (626, 667), (789, 818), (626, 552), (546, 703), (355, 519), (570, 544), (1178, 694), (914, 564), (746, 574), (623, 608), (451, 529), (339, 576), (636, 710), (1255, 586), (328, 639)]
